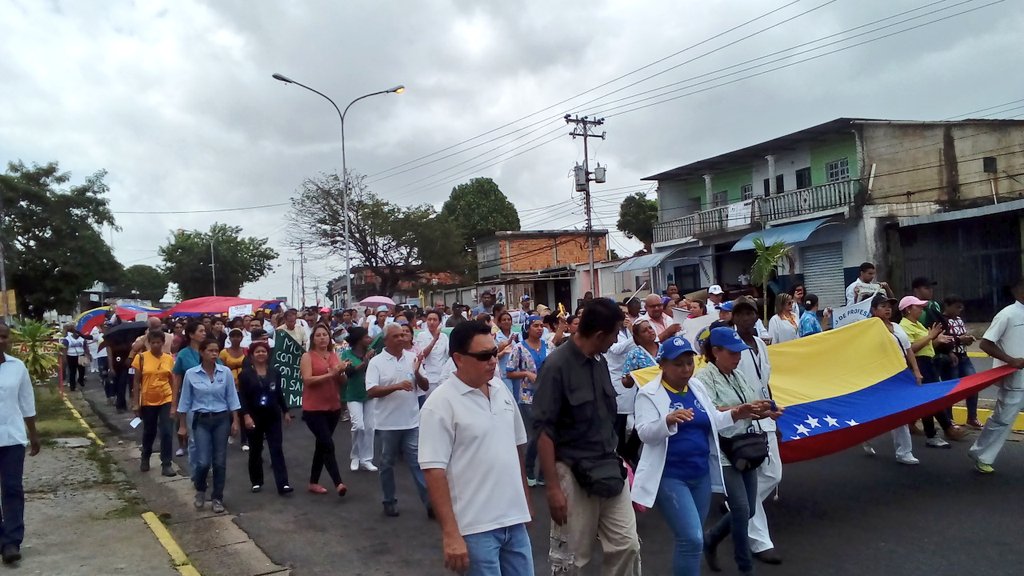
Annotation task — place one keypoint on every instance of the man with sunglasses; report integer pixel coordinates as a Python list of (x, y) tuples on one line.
[(484, 526)]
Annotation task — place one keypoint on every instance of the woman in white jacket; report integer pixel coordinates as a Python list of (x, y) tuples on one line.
[(679, 467)]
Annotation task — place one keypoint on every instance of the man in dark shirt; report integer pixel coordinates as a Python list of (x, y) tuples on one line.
[(574, 418)]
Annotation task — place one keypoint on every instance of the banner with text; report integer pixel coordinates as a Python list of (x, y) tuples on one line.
[(287, 355), (850, 314)]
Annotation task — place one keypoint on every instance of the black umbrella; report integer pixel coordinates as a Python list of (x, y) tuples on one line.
[(125, 333)]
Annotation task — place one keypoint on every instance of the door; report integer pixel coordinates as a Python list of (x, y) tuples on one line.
[(823, 274)]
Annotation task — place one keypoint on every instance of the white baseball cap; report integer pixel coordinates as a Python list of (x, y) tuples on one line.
[(715, 289)]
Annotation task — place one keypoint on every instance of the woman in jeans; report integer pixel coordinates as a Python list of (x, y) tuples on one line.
[(323, 373), (680, 464), (263, 406), (953, 361), (727, 387), (151, 401), (208, 394), (524, 363)]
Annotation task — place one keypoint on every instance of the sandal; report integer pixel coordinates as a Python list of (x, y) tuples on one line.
[(317, 489)]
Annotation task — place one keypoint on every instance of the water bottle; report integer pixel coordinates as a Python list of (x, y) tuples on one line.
[(563, 560)]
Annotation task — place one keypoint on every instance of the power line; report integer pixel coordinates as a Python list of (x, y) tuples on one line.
[(985, 109), (202, 211)]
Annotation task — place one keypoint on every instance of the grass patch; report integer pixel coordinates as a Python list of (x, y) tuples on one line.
[(53, 420)]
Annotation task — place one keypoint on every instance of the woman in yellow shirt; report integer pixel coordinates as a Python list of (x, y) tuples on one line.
[(151, 401), (233, 356)]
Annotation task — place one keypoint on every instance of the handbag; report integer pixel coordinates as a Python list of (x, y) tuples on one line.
[(603, 477), (745, 451)]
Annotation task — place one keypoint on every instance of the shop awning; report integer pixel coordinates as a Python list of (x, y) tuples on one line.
[(790, 234), (645, 262), (955, 215)]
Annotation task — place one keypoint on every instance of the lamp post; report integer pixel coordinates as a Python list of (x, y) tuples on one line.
[(344, 168)]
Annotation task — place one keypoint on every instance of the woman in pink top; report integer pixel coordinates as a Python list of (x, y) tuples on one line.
[(323, 374)]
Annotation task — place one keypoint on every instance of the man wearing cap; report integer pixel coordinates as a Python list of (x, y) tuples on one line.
[(757, 370), (520, 314), (715, 297), (1004, 342), (923, 289)]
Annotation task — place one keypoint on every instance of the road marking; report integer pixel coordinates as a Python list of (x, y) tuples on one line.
[(178, 556), (960, 414), (89, 432)]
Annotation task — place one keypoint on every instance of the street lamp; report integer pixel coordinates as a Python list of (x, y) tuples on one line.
[(344, 169)]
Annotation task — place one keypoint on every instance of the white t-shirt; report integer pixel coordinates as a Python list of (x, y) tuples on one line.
[(901, 337), (866, 291), (481, 461), (1007, 332), (781, 331), (625, 398), (399, 410), (17, 401), (433, 364)]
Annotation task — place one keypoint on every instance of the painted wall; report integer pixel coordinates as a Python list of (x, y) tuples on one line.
[(841, 146)]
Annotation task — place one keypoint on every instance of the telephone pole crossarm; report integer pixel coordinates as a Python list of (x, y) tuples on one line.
[(583, 128)]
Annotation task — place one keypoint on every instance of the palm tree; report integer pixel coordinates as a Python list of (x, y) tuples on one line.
[(34, 343), (769, 257)]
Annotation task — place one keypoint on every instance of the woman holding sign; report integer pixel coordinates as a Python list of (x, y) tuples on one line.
[(323, 373), (263, 405)]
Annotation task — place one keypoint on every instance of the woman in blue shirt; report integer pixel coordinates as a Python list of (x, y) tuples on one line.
[(680, 465), (809, 323), (524, 363), (208, 394)]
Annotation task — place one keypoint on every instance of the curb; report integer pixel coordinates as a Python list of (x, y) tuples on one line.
[(90, 433), (960, 415), (178, 556)]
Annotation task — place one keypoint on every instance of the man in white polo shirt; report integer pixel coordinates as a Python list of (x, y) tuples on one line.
[(17, 413), (1004, 342), (391, 380), (476, 478)]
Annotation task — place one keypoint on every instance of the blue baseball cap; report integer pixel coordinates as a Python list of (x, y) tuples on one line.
[(673, 347), (727, 338), (727, 307)]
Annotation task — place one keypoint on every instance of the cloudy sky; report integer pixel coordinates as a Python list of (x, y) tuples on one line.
[(176, 101)]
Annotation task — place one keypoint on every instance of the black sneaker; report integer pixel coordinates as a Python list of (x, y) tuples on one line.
[(711, 554), (144, 465), (11, 554), (167, 470), (286, 489), (391, 510)]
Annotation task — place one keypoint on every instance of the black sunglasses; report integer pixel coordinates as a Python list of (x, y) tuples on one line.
[(482, 356)]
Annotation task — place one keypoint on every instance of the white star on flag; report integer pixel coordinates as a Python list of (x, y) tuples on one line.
[(852, 422), (812, 422), (801, 430), (831, 421)]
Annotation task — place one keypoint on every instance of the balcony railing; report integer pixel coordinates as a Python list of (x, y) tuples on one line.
[(742, 215)]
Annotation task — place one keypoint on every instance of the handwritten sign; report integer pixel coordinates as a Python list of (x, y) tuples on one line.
[(240, 310), (850, 314), (287, 354)]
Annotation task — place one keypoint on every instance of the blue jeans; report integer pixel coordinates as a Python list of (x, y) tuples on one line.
[(392, 443), (211, 442), (500, 552), (742, 496), (526, 411), (684, 504), (12, 495)]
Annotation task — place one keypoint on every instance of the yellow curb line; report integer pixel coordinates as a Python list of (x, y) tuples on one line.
[(78, 416), (178, 556), (960, 415), (977, 355)]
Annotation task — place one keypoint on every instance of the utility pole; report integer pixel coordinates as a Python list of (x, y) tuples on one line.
[(293, 261), (583, 128), (302, 276), (316, 290), (213, 267), (3, 268)]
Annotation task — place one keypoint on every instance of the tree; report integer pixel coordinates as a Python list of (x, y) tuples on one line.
[(52, 237), (393, 242), (239, 260), (144, 282), (637, 217), (479, 209), (769, 257)]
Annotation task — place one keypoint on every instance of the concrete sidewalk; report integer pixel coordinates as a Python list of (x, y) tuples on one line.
[(82, 515)]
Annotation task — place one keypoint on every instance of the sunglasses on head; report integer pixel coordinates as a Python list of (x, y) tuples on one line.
[(482, 356)]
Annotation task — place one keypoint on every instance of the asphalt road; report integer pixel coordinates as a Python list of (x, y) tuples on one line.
[(845, 514)]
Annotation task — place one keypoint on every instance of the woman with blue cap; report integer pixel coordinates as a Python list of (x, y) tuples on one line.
[(728, 387), (680, 465)]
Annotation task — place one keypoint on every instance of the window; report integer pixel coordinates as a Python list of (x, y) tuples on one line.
[(803, 178), (721, 198), (767, 188), (687, 278), (747, 191), (838, 170)]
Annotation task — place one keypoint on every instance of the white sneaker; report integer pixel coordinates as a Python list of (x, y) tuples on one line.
[(354, 465), (368, 466), (937, 442), (868, 449), (908, 459), (231, 440), (179, 452), (245, 447)]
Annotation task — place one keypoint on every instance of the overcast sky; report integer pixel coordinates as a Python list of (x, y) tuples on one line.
[(176, 101)]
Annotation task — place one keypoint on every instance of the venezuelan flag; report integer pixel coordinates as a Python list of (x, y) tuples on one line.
[(845, 386)]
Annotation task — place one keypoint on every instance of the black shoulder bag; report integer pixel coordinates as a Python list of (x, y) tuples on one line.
[(745, 451), (603, 477)]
